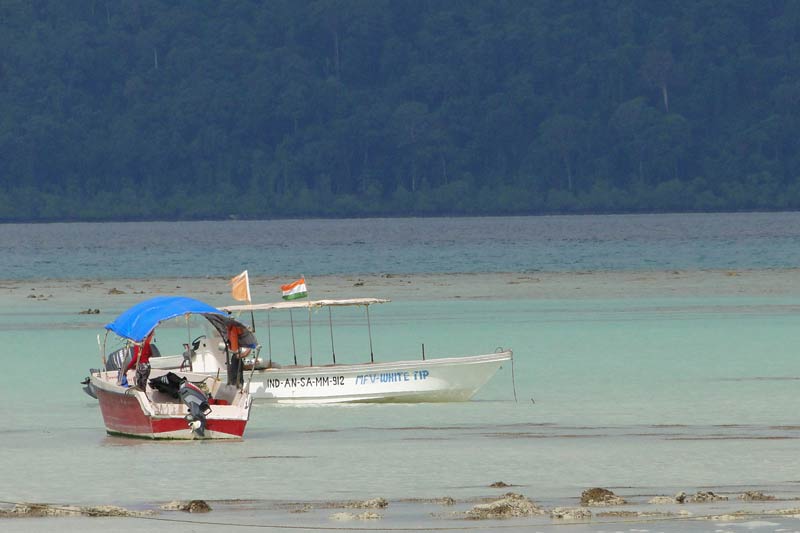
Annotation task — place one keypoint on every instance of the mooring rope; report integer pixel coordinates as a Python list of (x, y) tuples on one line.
[(513, 379)]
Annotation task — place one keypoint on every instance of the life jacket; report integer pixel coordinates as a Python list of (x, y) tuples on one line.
[(233, 338)]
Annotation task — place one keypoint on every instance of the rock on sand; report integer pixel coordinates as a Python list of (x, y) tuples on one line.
[(755, 496), (598, 497), (374, 503), (366, 515), (510, 505), (570, 513), (38, 510), (706, 496), (193, 506)]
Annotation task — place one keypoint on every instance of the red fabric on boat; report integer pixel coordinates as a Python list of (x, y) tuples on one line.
[(146, 351)]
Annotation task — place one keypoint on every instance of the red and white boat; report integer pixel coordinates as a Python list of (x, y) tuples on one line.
[(152, 414), (173, 404)]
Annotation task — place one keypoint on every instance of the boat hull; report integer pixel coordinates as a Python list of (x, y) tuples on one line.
[(129, 412), (450, 379)]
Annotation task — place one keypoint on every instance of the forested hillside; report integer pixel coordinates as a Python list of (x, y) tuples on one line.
[(143, 109)]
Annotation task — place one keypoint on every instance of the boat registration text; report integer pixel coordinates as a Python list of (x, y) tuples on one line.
[(319, 381), (333, 381)]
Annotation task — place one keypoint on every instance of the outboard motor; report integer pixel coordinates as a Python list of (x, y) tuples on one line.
[(197, 402), (119, 359)]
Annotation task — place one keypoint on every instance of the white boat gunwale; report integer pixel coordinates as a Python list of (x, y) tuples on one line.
[(504, 355)]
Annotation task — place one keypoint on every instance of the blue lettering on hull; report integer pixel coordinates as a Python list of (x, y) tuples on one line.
[(391, 377)]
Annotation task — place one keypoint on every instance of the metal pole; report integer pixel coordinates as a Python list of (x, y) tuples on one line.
[(310, 347), (513, 379), (369, 329), (269, 338), (252, 370), (102, 347), (103, 352), (330, 321), (294, 348)]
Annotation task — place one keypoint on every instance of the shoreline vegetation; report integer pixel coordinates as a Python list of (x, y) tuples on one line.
[(164, 110), (245, 217)]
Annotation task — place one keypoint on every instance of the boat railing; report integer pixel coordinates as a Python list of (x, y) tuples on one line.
[(309, 305)]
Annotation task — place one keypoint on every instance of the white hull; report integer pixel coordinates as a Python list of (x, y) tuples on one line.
[(450, 379)]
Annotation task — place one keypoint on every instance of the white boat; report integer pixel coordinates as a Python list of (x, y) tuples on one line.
[(450, 379), (447, 379)]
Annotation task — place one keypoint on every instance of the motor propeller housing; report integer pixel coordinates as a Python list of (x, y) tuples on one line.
[(197, 402)]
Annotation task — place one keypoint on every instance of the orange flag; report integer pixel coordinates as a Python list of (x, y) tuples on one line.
[(240, 287)]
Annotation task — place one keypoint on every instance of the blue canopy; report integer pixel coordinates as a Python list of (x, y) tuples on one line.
[(138, 321)]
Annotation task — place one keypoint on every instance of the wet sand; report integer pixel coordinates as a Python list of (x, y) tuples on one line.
[(722, 513), (96, 294)]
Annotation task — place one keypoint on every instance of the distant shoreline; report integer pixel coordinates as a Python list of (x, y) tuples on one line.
[(231, 217)]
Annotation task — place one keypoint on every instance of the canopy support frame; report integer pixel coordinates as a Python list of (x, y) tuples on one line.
[(369, 330), (330, 323)]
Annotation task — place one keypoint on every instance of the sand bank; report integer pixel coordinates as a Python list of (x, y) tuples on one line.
[(90, 295)]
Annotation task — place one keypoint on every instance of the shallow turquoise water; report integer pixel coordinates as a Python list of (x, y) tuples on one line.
[(645, 394), (656, 395)]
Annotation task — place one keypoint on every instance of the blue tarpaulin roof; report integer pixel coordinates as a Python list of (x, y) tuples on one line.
[(138, 321)]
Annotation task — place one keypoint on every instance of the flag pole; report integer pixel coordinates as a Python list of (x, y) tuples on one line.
[(310, 345), (294, 348), (369, 329), (269, 338), (330, 323), (250, 301)]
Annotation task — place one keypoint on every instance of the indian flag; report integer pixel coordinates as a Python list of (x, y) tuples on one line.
[(295, 290)]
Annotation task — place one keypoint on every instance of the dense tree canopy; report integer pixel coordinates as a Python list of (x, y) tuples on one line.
[(140, 109)]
